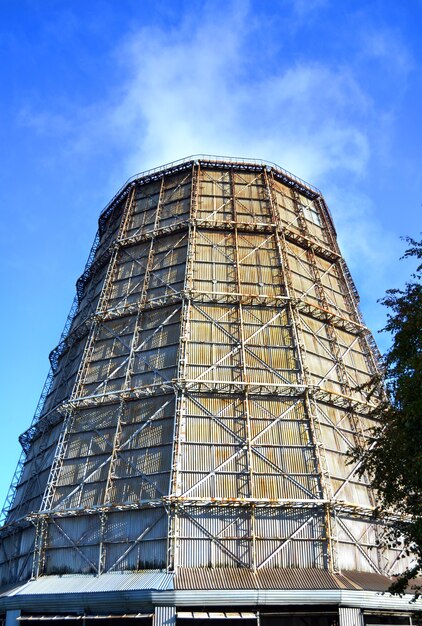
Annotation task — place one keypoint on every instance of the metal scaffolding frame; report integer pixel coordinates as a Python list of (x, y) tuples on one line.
[(205, 391)]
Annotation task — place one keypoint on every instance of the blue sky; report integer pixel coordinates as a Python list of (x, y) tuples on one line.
[(93, 92)]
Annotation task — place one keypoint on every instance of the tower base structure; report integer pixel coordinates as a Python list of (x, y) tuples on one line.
[(188, 461), (192, 598)]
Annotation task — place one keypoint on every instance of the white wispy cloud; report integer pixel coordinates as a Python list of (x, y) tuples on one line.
[(198, 88), (386, 45), (303, 9), (192, 91)]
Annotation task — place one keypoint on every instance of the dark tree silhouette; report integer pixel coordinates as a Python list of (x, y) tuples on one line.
[(394, 463)]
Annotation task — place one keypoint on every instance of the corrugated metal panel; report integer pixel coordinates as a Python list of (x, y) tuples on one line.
[(132, 601), (229, 578), (165, 616), (297, 579), (350, 617), (305, 597), (60, 617), (368, 580), (215, 615), (125, 581)]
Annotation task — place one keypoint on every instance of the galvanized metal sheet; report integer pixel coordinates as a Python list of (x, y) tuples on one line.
[(124, 581)]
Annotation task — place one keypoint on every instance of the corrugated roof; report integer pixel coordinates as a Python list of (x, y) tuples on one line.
[(231, 578), (54, 618), (288, 578), (297, 579), (204, 579), (369, 581), (112, 581)]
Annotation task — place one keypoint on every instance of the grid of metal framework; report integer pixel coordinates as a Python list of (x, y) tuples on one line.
[(205, 391)]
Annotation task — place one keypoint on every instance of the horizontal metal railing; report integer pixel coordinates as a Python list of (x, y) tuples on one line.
[(214, 159)]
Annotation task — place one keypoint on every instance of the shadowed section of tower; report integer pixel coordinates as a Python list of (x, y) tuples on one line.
[(205, 392)]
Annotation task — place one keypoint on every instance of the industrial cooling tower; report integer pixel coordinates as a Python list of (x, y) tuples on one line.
[(188, 460)]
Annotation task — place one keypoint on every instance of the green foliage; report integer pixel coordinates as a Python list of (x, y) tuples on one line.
[(394, 463)]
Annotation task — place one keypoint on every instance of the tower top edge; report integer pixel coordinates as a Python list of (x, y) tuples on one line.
[(214, 161)]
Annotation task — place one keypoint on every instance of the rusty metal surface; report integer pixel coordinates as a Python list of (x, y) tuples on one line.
[(230, 578), (289, 578), (368, 580)]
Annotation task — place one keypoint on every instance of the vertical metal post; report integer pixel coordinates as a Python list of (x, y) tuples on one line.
[(50, 489), (114, 453), (101, 546), (321, 465), (41, 524), (135, 336), (48, 498), (243, 374), (12, 617), (102, 301), (180, 394)]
